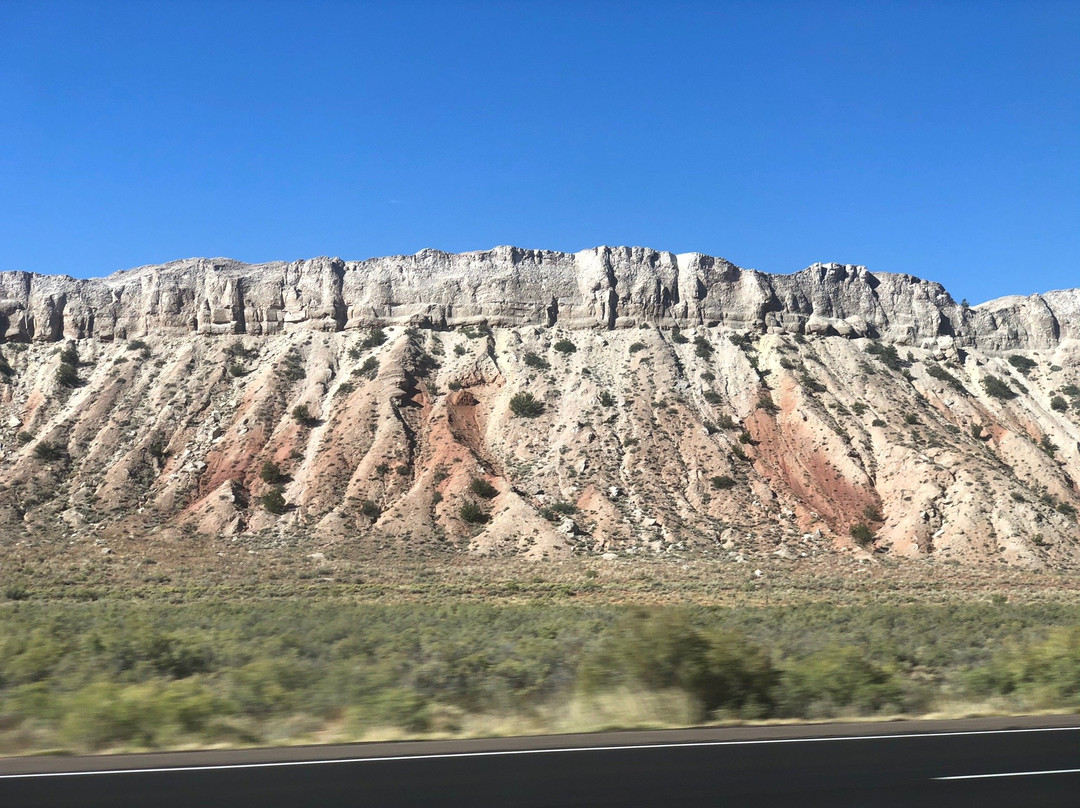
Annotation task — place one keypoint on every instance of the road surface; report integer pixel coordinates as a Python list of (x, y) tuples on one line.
[(985, 763)]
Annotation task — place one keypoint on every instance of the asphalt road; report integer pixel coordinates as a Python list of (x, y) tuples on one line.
[(1017, 762)]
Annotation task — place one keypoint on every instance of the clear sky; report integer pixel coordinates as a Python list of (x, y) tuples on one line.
[(940, 139)]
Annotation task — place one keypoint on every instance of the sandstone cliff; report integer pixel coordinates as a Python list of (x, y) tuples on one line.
[(683, 405)]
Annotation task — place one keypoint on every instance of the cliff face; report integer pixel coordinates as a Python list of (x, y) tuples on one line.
[(605, 288), (680, 405)]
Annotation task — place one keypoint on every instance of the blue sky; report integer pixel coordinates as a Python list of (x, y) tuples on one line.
[(940, 139)]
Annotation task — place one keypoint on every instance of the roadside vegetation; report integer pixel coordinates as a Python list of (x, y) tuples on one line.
[(114, 674)]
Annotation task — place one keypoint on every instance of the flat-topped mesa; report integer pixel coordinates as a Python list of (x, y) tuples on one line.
[(605, 287)]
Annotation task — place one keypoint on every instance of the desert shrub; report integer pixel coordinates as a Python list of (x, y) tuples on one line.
[(565, 346), (536, 361), (237, 370), (303, 416), (996, 388), (886, 354), (713, 397), (702, 347), (369, 369), (872, 514), (677, 336), (1058, 404), (862, 534), (1023, 364), (271, 473), (910, 418), (766, 403), (370, 510), (746, 438), (292, 367), (5, 368), (877, 422), (834, 680), (374, 339), (472, 513), (722, 482), (67, 375), (24, 437), (1047, 445), (274, 501), (939, 373), (459, 350), (70, 356), (476, 331), (526, 405), (137, 345), (235, 350), (482, 488), (50, 452), (859, 408), (637, 346), (725, 421), (708, 376), (606, 399), (1071, 390), (663, 650)]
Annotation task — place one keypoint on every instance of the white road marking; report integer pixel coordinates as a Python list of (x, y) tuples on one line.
[(512, 752), (1007, 774)]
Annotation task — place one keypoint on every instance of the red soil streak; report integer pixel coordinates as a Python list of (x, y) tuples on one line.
[(790, 458)]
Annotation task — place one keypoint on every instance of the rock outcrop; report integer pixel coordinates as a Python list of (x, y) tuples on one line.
[(604, 288), (619, 401)]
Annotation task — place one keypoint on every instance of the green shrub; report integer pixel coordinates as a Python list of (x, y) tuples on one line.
[(996, 388), (525, 405), (482, 488), (370, 510), (723, 482), (237, 370), (274, 501), (374, 339), (606, 399), (271, 473), (234, 351), (1023, 364), (861, 534), (472, 513), (70, 356), (662, 650), (765, 402), (67, 376), (369, 369), (24, 437), (939, 373), (292, 367), (303, 416), (536, 361), (877, 422), (886, 354), (565, 346), (1058, 404), (50, 452), (459, 350)]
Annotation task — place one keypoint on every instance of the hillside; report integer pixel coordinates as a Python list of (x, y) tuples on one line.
[(615, 401)]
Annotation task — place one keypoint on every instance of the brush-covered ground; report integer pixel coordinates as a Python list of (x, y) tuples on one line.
[(296, 647)]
